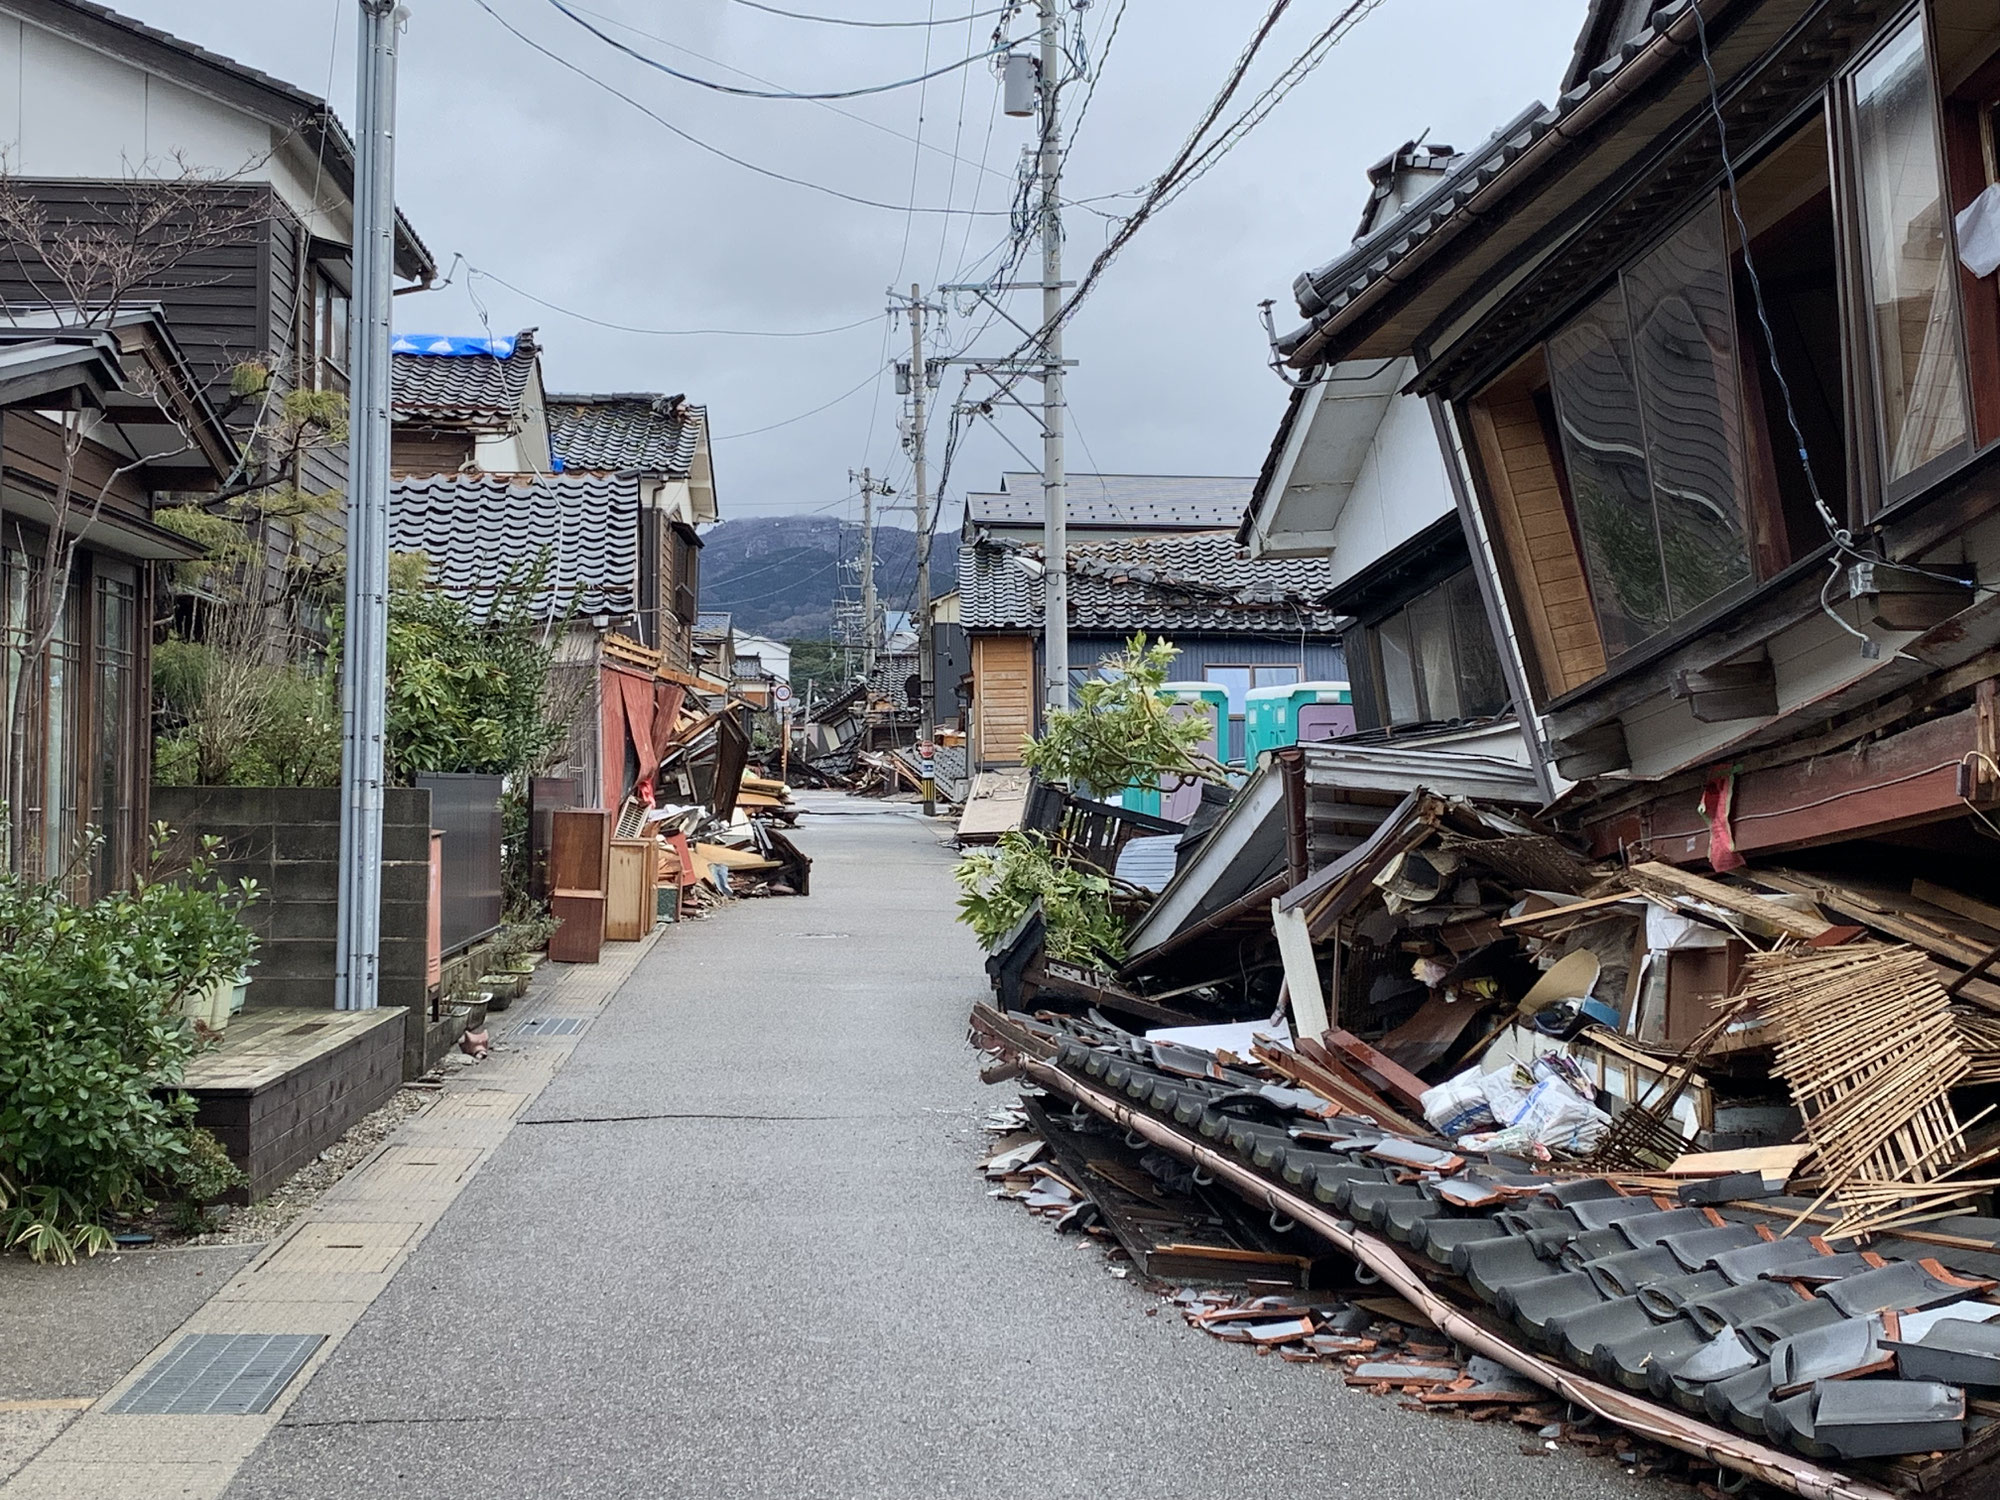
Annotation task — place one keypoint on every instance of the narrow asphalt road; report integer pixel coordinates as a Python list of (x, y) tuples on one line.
[(738, 1250)]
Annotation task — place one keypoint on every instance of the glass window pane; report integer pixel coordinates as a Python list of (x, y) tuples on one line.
[(1399, 675), (1482, 688), (1604, 445), (1276, 676), (1430, 643), (1919, 385), (1684, 355), (1235, 679)]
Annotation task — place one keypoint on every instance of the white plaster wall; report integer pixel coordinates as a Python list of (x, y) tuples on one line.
[(1402, 488), (69, 111)]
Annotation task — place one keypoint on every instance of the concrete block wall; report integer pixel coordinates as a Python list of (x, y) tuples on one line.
[(287, 839)]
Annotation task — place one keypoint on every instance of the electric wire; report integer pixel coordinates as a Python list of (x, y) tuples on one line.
[(786, 94), (696, 141), (675, 333), (832, 109), (1840, 535), (1192, 150), (796, 15), (853, 390)]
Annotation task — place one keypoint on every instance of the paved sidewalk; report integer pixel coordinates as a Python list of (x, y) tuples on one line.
[(737, 1249), (74, 1342)]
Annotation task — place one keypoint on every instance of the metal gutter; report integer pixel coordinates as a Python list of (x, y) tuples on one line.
[(1799, 1476), (1292, 768), (1620, 86)]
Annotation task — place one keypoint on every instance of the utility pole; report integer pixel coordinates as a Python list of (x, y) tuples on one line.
[(364, 663), (926, 646), (1055, 494), (870, 636)]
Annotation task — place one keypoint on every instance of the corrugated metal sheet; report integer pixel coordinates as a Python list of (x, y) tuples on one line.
[(476, 529)]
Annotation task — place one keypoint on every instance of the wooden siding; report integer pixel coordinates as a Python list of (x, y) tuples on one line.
[(1534, 531), (214, 297), (415, 451), (1003, 696)]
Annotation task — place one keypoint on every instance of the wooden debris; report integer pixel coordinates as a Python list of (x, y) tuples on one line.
[(1870, 1048)]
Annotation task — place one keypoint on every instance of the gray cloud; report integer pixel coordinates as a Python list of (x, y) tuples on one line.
[(538, 176)]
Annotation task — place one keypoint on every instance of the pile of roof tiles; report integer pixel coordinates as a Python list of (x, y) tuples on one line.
[(1834, 1352)]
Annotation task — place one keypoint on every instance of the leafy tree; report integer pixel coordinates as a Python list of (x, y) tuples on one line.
[(1119, 732)]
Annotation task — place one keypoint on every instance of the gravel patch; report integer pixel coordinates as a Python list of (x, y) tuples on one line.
[(268, 1218)]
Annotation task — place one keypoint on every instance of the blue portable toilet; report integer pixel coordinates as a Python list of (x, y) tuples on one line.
[(1297, 714)]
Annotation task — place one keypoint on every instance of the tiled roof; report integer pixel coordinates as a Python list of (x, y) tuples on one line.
[(1324, 293), (712, 622), (658, 434), (891, 678), (464, 389), (1191, 582), (1178, 502), (476, 528)]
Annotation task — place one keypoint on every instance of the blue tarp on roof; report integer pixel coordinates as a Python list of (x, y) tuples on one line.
[(448, 345)]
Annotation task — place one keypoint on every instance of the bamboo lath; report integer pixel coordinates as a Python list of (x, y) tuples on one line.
[(1871, 1049)]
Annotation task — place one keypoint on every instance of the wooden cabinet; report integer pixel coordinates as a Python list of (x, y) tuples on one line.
[(629, 904), (579, 877)]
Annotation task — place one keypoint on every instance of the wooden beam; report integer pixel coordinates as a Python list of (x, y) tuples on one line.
[(1395, 1077), (1657, 877)]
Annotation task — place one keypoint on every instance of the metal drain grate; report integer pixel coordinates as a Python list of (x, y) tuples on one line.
[(549, 1026), (220, 1375)]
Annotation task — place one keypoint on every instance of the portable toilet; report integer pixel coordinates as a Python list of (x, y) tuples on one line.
[(1297, 714), (1211, 699)]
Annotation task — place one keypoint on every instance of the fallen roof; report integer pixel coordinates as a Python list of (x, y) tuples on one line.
[(630, 430), (480, 530), (443, 381), (1131, 502), (1348, 791), (1191, 583)]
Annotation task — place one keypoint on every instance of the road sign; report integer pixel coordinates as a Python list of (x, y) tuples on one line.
[(782, 694)]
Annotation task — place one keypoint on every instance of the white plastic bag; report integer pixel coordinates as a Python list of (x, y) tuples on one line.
[(1458, 1106), (1979, 233), (1558, 1117)]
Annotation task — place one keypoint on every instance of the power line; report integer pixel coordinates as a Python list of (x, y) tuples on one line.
[(845, 114), (742, 93), (873, 375), (697, 142), (741, 333), (1090, 93), (796, 15), (1193, 159)]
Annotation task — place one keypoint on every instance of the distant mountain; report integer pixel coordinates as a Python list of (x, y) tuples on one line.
[(779, 575)]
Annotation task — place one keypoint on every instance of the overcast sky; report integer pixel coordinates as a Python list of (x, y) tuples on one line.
[(539, 177)]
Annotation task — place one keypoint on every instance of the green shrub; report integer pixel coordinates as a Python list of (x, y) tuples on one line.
[(997, 886), (92, 1036)]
